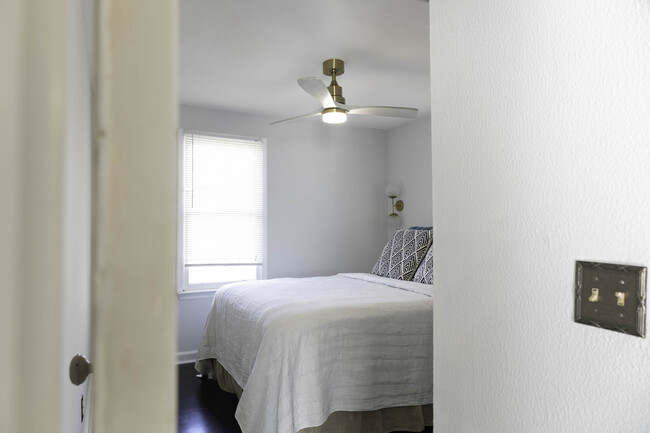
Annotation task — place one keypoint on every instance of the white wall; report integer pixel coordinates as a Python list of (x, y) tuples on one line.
[(541, 149), (409, 167), (325, 194)]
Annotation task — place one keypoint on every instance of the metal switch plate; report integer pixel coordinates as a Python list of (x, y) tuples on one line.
[(611, 296)]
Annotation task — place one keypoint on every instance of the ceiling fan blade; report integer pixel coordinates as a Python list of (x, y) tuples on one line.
[(291, 119), (405, 112), (316, 88)]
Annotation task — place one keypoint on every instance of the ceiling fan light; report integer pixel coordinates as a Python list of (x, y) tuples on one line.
[(334, 115)]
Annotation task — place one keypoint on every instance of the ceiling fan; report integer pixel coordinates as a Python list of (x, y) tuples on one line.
[(334, 109)]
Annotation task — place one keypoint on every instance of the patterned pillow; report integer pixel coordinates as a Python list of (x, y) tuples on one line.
[(402, 255), (424, 274), (383, 260)]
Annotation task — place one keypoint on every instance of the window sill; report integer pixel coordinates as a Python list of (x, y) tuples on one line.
[(196, 294)]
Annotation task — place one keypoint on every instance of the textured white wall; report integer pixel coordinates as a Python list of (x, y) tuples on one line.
[(409, 167), (541, 153), (325, 194)]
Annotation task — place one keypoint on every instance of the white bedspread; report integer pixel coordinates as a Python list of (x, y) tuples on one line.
[(303, 348)]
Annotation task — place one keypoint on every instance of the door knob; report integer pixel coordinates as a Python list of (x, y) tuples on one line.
[(80, 368)]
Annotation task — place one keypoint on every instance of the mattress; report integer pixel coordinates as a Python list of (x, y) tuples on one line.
[(303, 349)]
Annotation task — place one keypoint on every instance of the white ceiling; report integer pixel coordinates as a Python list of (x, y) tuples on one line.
[(246, 56)]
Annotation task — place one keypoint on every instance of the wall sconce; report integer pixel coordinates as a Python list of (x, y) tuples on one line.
[(394, 219)]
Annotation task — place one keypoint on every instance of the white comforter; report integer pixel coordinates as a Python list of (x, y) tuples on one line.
[(303, 348)]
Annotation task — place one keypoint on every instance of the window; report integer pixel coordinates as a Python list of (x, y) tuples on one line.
[(221, 233)]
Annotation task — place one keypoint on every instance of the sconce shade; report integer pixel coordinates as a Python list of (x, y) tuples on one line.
[(392, 191)]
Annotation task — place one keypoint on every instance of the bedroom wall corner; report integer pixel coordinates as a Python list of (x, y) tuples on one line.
[(409, 167)]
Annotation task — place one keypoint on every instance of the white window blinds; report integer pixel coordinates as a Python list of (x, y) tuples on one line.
[(223, 194)]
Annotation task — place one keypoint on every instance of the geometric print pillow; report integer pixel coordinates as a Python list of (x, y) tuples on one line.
[(383, 257), (424, 274), (403, 253)]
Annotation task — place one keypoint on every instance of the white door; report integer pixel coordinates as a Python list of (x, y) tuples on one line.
[(76, 207), (45, 226)]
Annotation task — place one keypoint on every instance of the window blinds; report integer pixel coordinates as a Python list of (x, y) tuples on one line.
[(223, 194)]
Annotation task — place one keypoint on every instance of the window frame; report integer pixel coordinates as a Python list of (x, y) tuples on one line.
[(182, 286)]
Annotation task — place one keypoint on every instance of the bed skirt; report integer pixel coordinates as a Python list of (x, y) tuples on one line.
[(408, 418)]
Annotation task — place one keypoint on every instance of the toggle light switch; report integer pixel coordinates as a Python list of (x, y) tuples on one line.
[(620, 299), (611, 296)]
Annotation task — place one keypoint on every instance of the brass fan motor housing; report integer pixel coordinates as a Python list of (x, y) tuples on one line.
[(332, 68)]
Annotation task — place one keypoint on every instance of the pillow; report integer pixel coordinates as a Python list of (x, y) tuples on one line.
[(402, 255), (424, 274)]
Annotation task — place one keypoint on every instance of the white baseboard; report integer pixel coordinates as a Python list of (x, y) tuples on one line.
[(186, 357)]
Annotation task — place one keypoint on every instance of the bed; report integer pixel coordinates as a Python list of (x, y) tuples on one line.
[(344, 353)]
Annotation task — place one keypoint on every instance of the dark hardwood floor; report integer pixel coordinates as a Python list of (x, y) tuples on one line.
[(204, 408)]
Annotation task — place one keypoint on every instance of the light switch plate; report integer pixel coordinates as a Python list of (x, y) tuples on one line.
[(611, 296)]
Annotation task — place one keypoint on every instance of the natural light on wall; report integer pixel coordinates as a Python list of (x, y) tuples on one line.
[(223, 210)]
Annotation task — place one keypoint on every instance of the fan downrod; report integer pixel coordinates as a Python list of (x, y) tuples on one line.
[(332, 68)]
